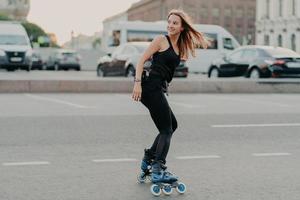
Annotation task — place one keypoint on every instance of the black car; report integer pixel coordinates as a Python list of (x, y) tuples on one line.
[(37, 62), (124, 59), (257, 62)]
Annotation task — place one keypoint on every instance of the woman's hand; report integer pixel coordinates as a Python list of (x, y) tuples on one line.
[(137, 91)]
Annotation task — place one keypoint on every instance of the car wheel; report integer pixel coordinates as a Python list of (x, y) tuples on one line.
[(100, 72), (78, 68), (10, 69), (214, 73), (130, 72), (255, 73)]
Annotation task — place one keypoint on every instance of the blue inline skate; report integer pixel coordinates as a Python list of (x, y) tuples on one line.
[(146, 166), (164, 181)]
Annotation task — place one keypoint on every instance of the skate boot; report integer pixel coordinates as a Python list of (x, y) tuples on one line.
[(164, 181), (160, 174), (146, 166), (147, 160)]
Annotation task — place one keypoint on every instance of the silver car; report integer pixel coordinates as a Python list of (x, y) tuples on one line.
[(64, 59)]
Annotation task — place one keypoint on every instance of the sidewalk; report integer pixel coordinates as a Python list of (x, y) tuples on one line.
[(88, 82)]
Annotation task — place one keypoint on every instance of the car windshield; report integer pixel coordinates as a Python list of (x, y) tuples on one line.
[(281, 52), (69, 54), (13, 40)]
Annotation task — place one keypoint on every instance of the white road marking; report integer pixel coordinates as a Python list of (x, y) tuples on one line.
[(116, 160), (26, 163), (270, 154), (254, 125), (197, 157), (56, 101), (186, 105)]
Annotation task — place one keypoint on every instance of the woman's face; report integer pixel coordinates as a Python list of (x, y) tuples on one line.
[(174, 25)]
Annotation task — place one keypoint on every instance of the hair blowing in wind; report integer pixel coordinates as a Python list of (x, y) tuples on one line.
[(189, 38)]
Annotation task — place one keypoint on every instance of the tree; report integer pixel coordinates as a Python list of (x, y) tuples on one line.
[(96, 42), (4, 17)]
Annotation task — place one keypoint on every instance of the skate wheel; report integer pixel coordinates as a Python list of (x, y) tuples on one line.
[(155, 190), (141, 177), (167, 190), (181, 188)]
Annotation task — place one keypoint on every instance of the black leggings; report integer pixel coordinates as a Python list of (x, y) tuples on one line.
[(155, 100)]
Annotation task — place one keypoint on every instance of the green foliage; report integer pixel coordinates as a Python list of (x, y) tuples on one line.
[(96, 42), (4, 17)]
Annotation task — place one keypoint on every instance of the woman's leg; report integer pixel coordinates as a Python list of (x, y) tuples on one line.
[(163, 118), (166, 149)]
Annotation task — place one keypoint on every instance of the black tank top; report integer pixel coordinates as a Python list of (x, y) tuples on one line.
[(165, 62)]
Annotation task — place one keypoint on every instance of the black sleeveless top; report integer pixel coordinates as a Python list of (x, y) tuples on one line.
[(165, 62)]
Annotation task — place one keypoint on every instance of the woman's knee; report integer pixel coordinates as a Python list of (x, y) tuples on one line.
[(166, 131)]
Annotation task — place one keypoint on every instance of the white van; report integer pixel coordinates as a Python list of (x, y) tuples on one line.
[(117, 33), (222, 42), (15, 47)]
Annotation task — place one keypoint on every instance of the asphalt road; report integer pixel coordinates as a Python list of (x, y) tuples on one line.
[(89, 146)]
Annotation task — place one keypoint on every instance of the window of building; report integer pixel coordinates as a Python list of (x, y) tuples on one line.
[(280, 40), (267, 40), (280, 8), (294, 7), (227, 12), (216, 12), (268, 9), (203, 13), (293, 42), (240, 12)]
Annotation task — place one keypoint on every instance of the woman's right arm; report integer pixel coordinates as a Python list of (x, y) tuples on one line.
[(154, 46)]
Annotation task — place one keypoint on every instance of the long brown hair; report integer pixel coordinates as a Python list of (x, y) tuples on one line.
[(189, 38)]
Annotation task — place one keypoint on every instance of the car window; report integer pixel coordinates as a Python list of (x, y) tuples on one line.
[(228, 44), (117, 51), (281, 52), (236, 56), (250, 54), (262, 53), (128, 50), (213, 39)]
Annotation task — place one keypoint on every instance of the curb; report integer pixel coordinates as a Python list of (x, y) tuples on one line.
[(125, 86)]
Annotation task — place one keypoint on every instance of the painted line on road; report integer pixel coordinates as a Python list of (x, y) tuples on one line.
[(37, 97), (197, 157), (270, 154), (254, 125), (26, 163), (186, 105), (115, 160)]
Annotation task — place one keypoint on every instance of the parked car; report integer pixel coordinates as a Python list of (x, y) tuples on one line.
[(63, 59), (37, 62), (255, 61), (124, 59), (15, 47)]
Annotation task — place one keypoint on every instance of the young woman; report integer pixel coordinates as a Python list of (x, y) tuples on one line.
[(166, 52)]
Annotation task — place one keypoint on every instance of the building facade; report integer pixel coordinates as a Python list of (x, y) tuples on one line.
[(237, 16), (278, 23), (15, 9)]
